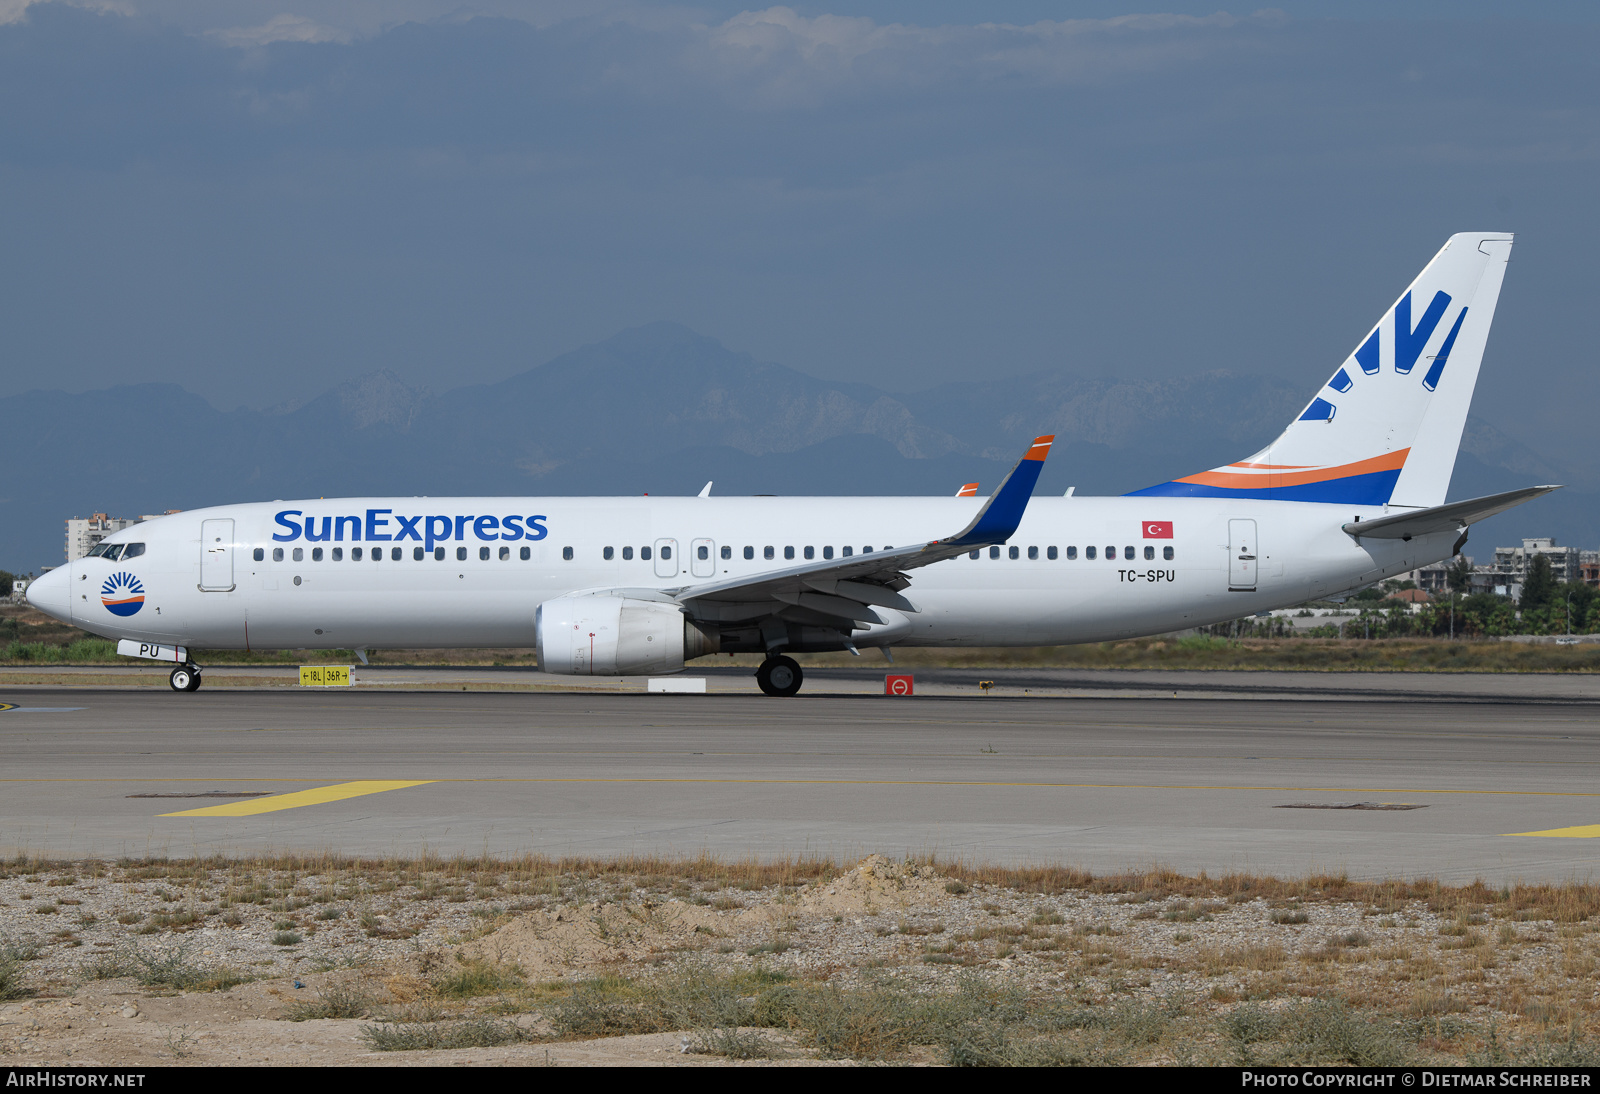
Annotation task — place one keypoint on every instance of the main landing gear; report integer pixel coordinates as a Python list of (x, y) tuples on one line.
[(779, 676), (185, 677)]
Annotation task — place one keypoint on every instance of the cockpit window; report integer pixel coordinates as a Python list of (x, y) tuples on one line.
[(97, 550), (132, 550), (112, 552)]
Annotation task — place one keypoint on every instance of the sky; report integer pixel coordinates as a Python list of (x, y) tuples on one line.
[(256, 199)]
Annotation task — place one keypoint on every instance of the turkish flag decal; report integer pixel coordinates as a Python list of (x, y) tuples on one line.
[(1158, 529)]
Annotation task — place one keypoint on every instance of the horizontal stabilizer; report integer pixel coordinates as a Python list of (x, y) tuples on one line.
[(1444, 518)]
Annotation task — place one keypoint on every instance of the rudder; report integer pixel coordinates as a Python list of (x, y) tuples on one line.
[(1385, 428)]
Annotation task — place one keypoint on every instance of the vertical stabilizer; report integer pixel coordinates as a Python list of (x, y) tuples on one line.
[(1386, 427)]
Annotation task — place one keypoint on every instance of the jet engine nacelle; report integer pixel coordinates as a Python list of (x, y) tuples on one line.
[(615, 636)]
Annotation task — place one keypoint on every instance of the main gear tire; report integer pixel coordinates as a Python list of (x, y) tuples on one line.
[(184, 678), (779, 676)]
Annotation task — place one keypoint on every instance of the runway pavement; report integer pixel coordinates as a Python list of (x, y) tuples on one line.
[(1103, 779)]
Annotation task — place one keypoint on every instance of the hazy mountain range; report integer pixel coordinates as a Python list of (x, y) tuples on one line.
[(661, 410)]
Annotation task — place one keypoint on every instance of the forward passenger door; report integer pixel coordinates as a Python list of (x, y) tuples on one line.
[(216, 556)]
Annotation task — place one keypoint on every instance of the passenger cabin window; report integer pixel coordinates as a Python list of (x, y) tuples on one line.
[(338, 554), (703, 552), (260, 554), (827, 552), (566, 553), (847, 551), (300, 554), (974, 554), (866, 550), (810, 552), (1033, 554), (1072, 553), (1111, 554), (277, 554), (606, 554), (749, 552), (727, 553), (1014, 552), (1166, 553), (397, 553), (527, 553), (1050, 553), (416, 553), (438, 554), (505, 553), (644, 554), (1127, 553), (316, 554), (627, 554), (355, 554), (1088, 553), (767, 553), (1149, 551), (788, 552), (666, 552), (994, 552)]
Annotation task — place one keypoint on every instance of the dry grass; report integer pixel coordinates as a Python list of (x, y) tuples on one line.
[(1004, 965)]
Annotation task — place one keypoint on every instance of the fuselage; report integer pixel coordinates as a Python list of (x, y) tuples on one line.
[(367, 573)]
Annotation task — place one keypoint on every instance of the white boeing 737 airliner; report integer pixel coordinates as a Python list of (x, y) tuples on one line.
[(1352, 491)]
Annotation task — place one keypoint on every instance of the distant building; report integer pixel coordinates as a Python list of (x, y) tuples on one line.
[(1514, 560), (1433, 578), (84, 533), (1589, 568)]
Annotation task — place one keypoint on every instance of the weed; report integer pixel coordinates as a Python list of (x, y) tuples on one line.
[(736, 1044), (464, 1033), (286, 938), (173, 968), (333, 1001), (473, 978)]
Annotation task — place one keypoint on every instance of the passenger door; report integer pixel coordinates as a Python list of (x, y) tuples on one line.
[(1243, 552), (703, 558), (216, 556), (666, 558)]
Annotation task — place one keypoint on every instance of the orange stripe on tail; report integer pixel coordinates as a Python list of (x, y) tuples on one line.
[(1391, 461)]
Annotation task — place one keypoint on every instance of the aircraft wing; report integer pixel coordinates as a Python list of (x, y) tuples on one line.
[(844, 590), (1443, 518)]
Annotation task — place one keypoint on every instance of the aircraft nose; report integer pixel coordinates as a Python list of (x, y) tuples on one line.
[(51, 593)]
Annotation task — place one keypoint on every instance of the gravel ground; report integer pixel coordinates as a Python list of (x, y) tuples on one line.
[(162, 962)]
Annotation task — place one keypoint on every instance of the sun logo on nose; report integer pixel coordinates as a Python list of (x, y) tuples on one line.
[(122, 594)]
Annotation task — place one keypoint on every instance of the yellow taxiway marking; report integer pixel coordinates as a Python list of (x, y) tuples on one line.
[(316, 796), (1582, 831)]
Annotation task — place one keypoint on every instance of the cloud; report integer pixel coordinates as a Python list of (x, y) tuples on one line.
[(280, 28), (15, 11)]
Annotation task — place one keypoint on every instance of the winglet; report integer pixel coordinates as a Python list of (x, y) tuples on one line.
[(970, 490), (1001, 514)]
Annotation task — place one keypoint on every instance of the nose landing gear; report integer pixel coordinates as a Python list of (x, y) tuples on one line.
[(185, 678), (779, 676)]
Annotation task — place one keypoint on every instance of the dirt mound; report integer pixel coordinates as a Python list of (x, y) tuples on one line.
[(592, 938), (876, 884)]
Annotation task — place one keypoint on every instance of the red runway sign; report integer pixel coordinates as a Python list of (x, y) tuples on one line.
[(897, 685)]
